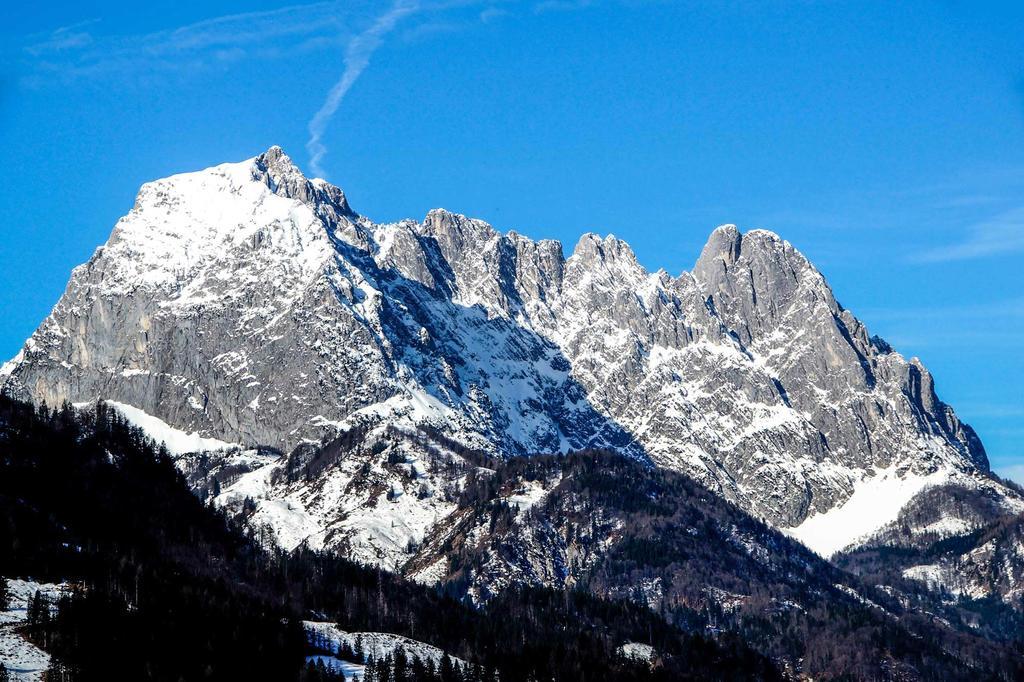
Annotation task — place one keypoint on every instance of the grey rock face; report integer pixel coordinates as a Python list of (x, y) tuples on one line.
[(248, 303)]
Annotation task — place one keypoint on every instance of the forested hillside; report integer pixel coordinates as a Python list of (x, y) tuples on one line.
[(619, 529), (166, 588)]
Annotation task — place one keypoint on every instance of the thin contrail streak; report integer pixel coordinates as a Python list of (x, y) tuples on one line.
[(357, 57)]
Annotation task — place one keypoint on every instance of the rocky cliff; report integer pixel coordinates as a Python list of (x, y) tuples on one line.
[(250, 304)]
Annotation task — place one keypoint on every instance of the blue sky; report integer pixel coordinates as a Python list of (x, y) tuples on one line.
[(885, 140)]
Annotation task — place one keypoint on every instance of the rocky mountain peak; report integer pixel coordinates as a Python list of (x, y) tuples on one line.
[(247, 303), (592, 246), (277, 171), (455, 229), (757, 249), (607, 259), (758, 281), (723, 244), (277, 161)]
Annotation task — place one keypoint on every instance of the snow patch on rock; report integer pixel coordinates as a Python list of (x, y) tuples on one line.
[(178, 442), (875, 502)]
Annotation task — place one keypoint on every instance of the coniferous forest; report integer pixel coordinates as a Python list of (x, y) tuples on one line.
[(165, 587), (162, 586)]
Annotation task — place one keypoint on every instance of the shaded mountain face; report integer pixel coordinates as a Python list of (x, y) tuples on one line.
[(250, 304), (609, 525)]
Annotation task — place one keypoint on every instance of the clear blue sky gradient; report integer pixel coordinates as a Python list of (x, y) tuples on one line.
[(884, 140)]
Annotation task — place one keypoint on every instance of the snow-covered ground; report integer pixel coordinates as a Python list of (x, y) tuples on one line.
[(178, 442), (637, 651), (530, 494), (876, 501), (25, 662), (376, 533), (349, 670), (376, 644)]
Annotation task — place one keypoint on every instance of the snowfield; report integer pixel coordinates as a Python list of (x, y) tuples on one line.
[(25, 662), (351, 671), (177, 441), (875, 502), (377, 644), (637, 651)]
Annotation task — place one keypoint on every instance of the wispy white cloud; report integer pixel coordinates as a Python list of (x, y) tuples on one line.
[(357, 58), (968, 201), (249, 27), (492, 14), (985, 326), (63, 39), (430, 29), (995, 410), (1001, 234), (561, 5), (78, 52), (982, 343)]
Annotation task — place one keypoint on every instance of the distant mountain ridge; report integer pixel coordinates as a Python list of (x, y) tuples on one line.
[(250, 304)]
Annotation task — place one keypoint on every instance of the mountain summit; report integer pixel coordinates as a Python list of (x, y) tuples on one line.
[(248, 304)]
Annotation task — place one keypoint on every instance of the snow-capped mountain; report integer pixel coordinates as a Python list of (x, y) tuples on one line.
[(248, 304)]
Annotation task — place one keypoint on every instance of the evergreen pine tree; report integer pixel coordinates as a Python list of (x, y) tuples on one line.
[(37, 617), (5, 595), (417, 670), (308, 673), (32, 610), (447, 670), (384, 669), (401, 666), (56, 671), (360, 652)]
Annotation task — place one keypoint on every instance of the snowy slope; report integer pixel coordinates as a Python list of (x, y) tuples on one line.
[(956, 540), (25, 662), (175, 440), (377, 644), (637, 651), (351, 671), (875, 502)]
